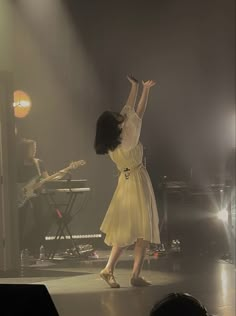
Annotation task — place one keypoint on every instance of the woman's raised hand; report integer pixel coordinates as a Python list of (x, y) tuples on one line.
[(132, 79), (148, 83)]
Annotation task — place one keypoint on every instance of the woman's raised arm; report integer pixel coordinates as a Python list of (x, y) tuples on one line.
[(144, 97), (133, 91)]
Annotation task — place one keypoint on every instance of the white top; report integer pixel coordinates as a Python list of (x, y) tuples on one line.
[(131, 129)]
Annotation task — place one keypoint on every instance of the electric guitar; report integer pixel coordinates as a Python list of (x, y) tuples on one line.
[(26, 190)]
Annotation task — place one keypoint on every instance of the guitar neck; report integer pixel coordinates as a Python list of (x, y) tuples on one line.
[(51, 177)]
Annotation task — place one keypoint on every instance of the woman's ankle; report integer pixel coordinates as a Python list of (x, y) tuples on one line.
[(134, 275), (108, 270)]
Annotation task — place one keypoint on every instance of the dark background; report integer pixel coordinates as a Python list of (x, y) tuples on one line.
[(72, 58)]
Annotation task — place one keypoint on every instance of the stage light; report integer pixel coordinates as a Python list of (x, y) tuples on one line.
[(22, 104), (223, 215)]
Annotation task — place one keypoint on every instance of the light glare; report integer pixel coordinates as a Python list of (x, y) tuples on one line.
[(223, 215)]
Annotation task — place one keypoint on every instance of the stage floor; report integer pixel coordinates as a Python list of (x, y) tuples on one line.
[(76, 288)]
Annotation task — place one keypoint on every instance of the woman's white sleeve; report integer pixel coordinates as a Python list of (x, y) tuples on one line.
[(131, 129)]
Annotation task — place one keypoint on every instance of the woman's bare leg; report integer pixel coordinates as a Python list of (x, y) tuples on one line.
[(139, 256), (116, 251), (107, 273)]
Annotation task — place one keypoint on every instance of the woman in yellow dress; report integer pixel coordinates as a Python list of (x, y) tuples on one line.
[(132, 216)]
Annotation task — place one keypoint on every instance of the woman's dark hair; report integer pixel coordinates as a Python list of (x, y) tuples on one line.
[(179, 304), (108, 132)]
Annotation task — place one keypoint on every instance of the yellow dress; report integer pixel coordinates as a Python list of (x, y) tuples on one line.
[(132, 213)]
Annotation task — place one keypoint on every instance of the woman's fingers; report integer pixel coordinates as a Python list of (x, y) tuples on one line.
[(152, 83), (132, 79), (149, 83)]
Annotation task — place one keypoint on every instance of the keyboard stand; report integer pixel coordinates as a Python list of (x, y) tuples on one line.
[(64, 218)]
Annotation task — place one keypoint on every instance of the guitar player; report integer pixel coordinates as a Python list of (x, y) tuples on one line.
[(31, 219)]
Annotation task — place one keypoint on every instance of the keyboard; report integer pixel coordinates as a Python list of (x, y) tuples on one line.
[(65, 184)]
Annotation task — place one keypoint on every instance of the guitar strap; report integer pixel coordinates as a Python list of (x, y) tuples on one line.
[(37, 166)]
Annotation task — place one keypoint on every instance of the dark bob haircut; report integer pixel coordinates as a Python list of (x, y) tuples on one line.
[(108, 132), (179, 304)]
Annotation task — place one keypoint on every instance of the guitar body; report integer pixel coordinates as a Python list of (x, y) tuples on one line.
[(26, 191)]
